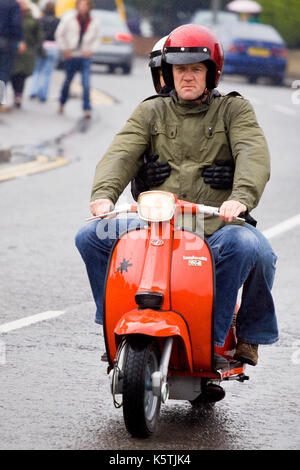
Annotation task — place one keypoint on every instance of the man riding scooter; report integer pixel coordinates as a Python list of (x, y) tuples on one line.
[(192, 129)]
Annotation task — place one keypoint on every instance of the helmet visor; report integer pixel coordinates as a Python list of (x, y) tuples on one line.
[(155, 59), (186, 55)]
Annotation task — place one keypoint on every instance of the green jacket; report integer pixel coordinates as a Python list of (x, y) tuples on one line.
[(33, 37), (190, 136)]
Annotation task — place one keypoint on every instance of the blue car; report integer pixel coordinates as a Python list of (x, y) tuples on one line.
[(253, 50)]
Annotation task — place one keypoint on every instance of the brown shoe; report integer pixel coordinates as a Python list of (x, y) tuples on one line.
[(87, 114), (246, 353)]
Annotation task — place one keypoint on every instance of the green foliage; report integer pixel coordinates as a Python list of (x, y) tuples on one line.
[(284, 15)]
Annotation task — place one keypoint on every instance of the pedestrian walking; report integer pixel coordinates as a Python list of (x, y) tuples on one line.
[(78, 35), (44, 65), (27, 50), (10, 35)]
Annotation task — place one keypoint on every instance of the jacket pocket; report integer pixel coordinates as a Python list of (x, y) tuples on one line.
[(163, 140), (167, 130), (217, 143)]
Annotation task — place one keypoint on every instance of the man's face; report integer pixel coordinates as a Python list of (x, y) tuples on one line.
[(190, 80), (83, 7)]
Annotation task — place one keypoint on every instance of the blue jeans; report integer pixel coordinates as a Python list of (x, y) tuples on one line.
[(242, 256), (43, 69), (77, 64)]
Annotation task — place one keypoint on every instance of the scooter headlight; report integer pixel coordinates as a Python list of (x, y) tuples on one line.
[(156, 206)]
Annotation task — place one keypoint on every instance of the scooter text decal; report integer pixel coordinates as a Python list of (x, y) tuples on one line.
[(195, 260)]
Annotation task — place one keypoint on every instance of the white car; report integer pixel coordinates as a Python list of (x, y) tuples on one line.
[(115, 48)]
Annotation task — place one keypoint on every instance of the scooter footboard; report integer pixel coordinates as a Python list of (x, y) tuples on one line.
[(148, 322)]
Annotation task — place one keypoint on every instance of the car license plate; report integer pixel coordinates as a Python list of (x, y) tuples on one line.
[(258, 52), (106, 40)]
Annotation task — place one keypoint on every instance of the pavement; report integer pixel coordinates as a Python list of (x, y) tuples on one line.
[(31, 137)]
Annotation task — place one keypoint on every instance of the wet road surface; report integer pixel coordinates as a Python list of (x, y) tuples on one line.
[(54, 389)]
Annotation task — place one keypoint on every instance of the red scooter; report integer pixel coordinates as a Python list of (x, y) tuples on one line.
[(158, 315)]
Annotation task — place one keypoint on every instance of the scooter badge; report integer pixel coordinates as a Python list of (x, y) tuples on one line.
[(157, 242)]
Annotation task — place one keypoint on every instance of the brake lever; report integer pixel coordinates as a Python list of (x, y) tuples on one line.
[(119, 210)]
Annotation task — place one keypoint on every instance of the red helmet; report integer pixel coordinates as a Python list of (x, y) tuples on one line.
[(189, 44)]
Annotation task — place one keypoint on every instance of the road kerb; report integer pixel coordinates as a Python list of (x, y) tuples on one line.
[(41, 163)]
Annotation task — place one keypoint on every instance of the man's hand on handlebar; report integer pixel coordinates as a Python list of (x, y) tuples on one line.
[(101, 206), (229, 210)]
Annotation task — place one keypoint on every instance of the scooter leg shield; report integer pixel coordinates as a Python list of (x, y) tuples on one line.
[(193, 292)]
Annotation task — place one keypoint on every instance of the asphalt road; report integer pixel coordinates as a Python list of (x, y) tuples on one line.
[(54, 390)]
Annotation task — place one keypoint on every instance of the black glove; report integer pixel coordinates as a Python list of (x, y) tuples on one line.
[(154, 173), (151, 174), (219, 176)]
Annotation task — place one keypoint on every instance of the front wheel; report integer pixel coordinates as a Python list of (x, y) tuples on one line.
[(140, 407)]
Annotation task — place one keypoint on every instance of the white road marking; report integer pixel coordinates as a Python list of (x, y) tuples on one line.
[(14, 325), (285, 110), (282, 227)]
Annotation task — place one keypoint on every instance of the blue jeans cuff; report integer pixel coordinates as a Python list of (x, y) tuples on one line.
[(258, 340)]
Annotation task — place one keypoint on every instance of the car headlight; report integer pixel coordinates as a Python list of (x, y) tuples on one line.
[(156, 206)]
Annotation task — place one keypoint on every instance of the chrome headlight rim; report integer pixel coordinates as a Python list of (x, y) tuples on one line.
[(163, 194)]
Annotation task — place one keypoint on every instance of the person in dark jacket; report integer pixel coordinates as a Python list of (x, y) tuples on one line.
[(44, 66), (11, 34), (27, 50)]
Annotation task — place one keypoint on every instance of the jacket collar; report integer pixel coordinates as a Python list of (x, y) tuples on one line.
[(188, 106)]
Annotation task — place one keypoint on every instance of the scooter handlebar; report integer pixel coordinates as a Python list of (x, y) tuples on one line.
[(202, 209), (186, 206)]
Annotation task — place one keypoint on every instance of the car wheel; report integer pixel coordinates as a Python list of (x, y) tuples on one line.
[(111, 69), (278, 81), (252, 79), (126, 69)]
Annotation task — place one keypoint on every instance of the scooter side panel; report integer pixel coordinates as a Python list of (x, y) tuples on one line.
[(123, 276), (192, 293)]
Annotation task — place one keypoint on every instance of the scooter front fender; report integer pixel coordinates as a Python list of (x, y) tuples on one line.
[(156, 323)]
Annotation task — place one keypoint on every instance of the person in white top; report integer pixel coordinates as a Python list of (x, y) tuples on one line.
[(78, 36)]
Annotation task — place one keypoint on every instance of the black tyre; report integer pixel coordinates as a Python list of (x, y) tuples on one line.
[(140, 407), (126, 69), (112, 68), (252, 79), (277, 81)]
